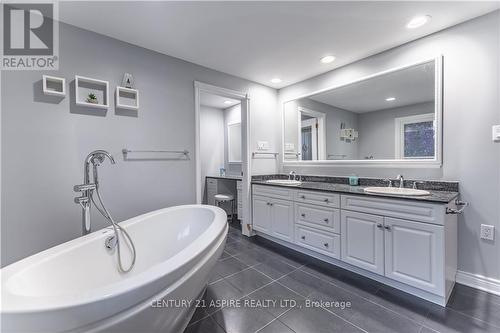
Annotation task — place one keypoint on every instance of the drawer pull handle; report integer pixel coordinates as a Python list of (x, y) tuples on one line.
[(326, 220), (326, 244), (303, 215), (387, 227), (302, 196), (379, 225), (303, 237), (326, 200)]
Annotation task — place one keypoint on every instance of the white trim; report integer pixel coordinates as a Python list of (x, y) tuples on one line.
[(399, 128), (245, 141), (479, 282), (436, 162)]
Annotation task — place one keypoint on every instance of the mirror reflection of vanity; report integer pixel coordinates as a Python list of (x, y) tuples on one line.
[(390, 117)]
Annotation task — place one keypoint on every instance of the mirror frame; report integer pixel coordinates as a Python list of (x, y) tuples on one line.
[(436, 162)]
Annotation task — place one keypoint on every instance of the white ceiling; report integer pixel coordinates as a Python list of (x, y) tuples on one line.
[(409, 86), (262, 40), (215, 101)]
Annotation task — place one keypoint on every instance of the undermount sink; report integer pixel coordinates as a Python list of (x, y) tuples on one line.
[(396, 190), (284, 182)]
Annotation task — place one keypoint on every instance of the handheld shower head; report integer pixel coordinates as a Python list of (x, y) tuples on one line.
[(97, 157)]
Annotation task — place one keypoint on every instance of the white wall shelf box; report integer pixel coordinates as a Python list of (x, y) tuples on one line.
[(54, 86), (85, 85), (127, 98)]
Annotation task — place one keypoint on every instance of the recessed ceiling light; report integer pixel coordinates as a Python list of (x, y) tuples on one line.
[(276, 80), (227, 102), (390, 99), (327, 59), (418, 21)]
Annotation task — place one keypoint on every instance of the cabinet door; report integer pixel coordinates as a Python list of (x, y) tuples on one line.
[(362, 240), (282, 219), (212, 187), (414, 254), (262, 214)]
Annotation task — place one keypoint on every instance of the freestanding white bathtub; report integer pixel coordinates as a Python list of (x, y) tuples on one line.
[(76, 286)]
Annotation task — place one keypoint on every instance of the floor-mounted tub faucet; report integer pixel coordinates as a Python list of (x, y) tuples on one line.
[(96, 158)]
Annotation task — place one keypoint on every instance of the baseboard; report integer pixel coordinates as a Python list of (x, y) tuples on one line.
[(479, 282)]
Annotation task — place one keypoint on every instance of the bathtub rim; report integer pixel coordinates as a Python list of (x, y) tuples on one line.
[(25, 304)]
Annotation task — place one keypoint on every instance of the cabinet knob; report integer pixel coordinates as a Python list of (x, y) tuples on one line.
[(302, 196), (387, 227), (326, 200), (326, 244), (379, 225), (326, 220), (303, 237), (303, 215), (270, 204)]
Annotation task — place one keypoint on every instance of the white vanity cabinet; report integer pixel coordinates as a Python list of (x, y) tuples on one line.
[(362, 241), (272, 213), (408, 244)]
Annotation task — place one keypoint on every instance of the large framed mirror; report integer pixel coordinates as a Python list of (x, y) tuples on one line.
[(389, 118)]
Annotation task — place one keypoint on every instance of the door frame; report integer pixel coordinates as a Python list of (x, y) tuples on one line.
[(321, 117), (246, 161)]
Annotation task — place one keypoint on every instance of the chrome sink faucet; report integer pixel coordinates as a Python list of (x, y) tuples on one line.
[(401, 181), (291, 175), (96, 158)]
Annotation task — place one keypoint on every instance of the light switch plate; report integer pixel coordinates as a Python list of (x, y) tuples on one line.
[(289, 146), (495, 133), (487, 232)]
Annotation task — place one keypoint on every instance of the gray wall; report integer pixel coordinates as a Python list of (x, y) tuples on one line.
[(44, 141), (376, 129), (471, 107)]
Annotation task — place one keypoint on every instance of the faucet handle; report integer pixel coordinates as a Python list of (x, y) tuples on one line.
[(388, 180), (83, 187)]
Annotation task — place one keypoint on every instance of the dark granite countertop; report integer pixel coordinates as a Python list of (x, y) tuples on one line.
[(435, 196)]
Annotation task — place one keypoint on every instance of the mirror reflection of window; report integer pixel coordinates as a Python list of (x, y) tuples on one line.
[(234, 142), (415, 137)]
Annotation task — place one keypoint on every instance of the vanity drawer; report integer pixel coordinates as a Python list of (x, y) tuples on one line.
[(325, 218), (318, 198), (273, 192), (404, 209), (322, 242)]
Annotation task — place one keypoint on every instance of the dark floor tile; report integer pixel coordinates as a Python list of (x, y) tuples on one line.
[(235, 248), (374, 318), (229, 266), (276, 327), (317, 320), (220, 294), (213, 277), (274, 268), (250, 257), (242, 319), (446, 320), (278, 298), (224, 255), (248, 280), (302, 283), (350, 281), (477, 304), (204, 326), (199, 314), (404, 304), (339, 301)]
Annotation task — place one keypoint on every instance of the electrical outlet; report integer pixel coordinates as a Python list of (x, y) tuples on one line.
[(487, 232)]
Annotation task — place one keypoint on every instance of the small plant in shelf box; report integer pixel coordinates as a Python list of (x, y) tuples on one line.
[(92, 98)]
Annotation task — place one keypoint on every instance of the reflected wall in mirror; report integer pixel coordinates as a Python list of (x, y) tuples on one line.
[(234, 142), (391, 116)]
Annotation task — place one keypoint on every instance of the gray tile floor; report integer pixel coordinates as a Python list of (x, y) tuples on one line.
[(260, 287)]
